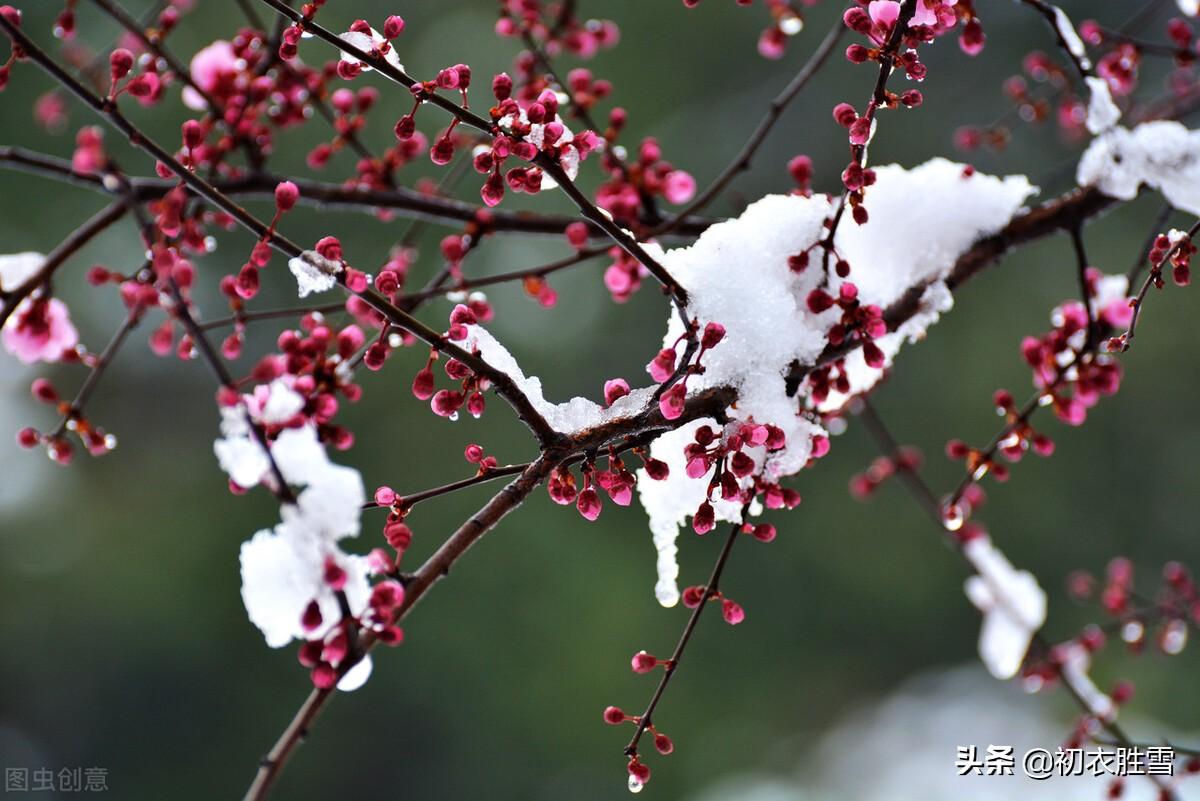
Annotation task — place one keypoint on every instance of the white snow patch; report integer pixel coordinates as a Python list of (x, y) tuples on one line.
[(737, 275), (17, 268), (1102, 112), (1162, 155), (369, 44), (1012, 603), (314, 273), (1071, 37)]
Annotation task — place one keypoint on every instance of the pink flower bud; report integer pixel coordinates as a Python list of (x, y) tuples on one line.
[(286, 195), (393, 26)]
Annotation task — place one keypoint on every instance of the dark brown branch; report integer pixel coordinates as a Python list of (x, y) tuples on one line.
[(433, 570), (55, 258), (645, 720), (548, 165), (180, 310), (407, 202), (741, 162), (926, 499), (98, 368), (1054, 16), (503, 383)]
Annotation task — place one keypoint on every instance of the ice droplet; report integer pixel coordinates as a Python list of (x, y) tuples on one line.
[(791, 24), (635, 786)]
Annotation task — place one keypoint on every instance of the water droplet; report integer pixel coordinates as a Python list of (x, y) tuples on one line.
[(1132, 631), (72, 424), (952, 517), (110, 441), (635, 786), (791, 24), (1174, 637), (395, 340), (453, 417)]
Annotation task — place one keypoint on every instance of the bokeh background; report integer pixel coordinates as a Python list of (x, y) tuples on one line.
[(124, 640)]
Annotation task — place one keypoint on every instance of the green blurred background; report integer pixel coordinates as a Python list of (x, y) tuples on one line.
[(124, 640)]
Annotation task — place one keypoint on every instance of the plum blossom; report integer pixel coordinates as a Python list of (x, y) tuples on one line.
[(926, 12), (884, 13), (40, 328), (679, 187), (209, 67)]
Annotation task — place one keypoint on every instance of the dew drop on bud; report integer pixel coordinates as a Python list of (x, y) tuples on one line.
[(1174, 637), (635, 784), (791, 24), (453, 417), (952, 517)]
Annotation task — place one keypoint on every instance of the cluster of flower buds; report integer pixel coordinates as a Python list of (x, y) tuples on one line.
[(58, 448), (618, 481), (663, 367), (448, 402), (1019, 437), (329, 656), (1065, 366), (146, 87), (555, 30), (1175, 607), (863, 485), (474, 454), (639, 773), (859, 321), (732, 612), (632, 186), (313, 361), (733, 469), (1177, 249), (247, 282)]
